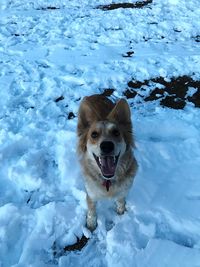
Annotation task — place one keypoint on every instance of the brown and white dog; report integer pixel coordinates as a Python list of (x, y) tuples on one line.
[(105, 148)]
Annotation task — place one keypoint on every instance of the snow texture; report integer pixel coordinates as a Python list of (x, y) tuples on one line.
[(52, 54)]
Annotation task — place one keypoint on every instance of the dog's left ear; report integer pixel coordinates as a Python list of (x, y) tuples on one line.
[(121, 112)]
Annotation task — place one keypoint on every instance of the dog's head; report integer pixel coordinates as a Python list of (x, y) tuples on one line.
[(105, 132)]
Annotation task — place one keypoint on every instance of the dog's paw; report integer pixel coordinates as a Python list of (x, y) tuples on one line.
[(120, 211), (120, 206), (91, 222)]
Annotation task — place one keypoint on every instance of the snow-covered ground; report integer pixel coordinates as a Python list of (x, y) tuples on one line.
[(52, 53)]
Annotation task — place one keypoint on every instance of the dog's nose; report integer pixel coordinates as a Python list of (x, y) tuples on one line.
[(107, 147)]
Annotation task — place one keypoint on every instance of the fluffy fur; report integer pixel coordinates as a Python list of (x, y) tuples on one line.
[(105, 148)]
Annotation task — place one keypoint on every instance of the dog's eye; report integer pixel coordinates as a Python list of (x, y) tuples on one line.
[(94, 134), (116, 132)]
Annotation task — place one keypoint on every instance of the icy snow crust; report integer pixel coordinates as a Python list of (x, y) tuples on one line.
[(75, 50)]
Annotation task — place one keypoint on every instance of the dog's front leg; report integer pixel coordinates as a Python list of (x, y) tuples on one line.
[(91, 220), (121, 206)]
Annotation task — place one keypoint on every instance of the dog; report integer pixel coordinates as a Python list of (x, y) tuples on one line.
[(105, 147)]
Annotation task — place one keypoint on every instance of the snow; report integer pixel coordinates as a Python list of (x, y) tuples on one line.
[(74, 51)]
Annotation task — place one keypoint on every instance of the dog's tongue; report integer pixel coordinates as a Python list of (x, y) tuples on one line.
[(108, 166)]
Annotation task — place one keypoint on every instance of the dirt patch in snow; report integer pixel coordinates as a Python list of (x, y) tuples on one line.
[(48, 8), (81, 242), (173, 93), (139, 4), (79, 245)]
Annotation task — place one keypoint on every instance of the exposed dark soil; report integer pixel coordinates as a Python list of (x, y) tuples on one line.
[(172, 102), (60, 98), (128, 54), (139, 4), (108, 92), (71, 115), (171, 94), (197, 38), (79, 245), (48, 8), (81, 242), (130, 93)]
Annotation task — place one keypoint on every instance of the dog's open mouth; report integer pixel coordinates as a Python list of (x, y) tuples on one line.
[(107, 165)]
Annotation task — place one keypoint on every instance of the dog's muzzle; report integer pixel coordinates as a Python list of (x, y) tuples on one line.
[(107, 165)]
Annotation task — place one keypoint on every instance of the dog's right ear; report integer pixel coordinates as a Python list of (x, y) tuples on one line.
[(86, 115), (121, 112)]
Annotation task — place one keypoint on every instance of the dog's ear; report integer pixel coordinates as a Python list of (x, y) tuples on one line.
[(121, 112), (86, 114)]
